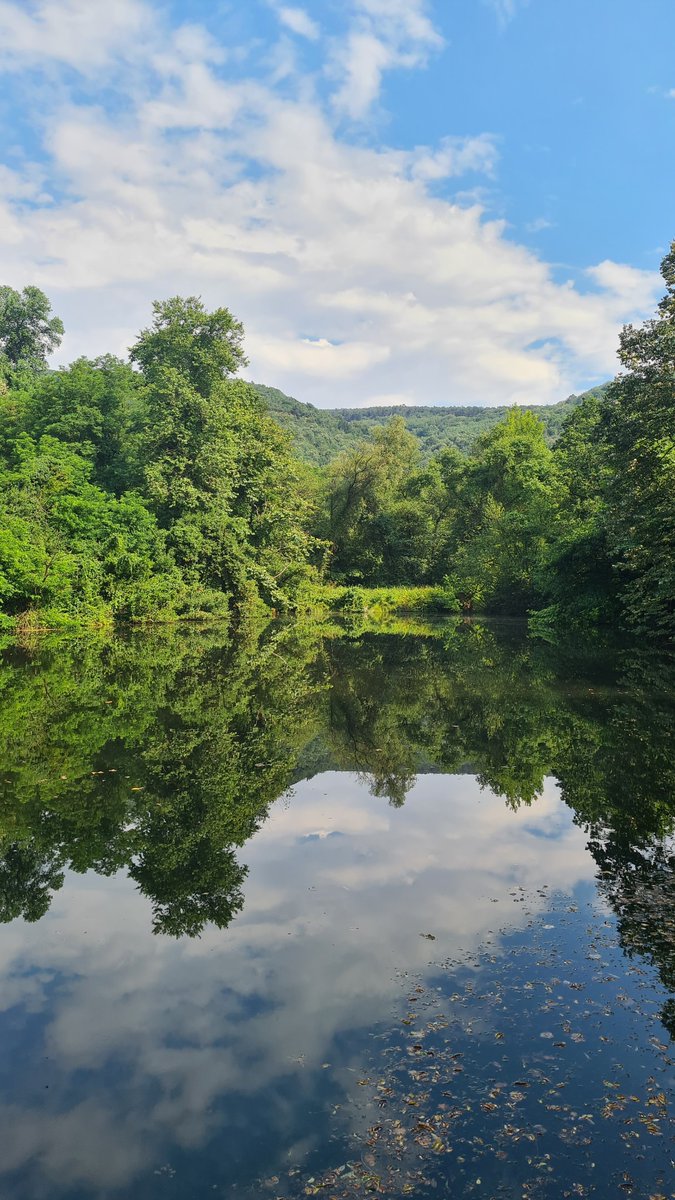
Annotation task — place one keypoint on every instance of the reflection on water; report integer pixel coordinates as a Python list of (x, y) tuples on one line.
[(335, 913)]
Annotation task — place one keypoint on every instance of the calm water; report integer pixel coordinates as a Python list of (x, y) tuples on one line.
[(336, 914)]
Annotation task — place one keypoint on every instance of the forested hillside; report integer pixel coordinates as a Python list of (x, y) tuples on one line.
[(318, 434), (162, 488)]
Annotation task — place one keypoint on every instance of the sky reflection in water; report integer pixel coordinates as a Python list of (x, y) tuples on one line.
[(396, 968)]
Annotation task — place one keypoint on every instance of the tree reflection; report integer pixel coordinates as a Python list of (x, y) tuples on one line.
[(159, 754), (162, 753)]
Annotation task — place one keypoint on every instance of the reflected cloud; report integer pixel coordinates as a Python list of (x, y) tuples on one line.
[(130, 1056), (169, 1028)]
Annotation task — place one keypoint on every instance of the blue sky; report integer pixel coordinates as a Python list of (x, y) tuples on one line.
[(452, 201)]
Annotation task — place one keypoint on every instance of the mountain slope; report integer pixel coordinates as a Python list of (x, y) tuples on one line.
[(319, 434)]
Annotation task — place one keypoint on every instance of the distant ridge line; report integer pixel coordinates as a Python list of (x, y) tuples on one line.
[(320, 434)]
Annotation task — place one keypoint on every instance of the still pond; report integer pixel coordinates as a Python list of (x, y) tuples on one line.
[(337, 912)]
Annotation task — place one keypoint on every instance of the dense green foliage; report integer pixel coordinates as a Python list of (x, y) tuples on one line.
[(319, 434), (580, 532), (28, 332), (481, 526), (164, 488), (639, 431), (143, 494)]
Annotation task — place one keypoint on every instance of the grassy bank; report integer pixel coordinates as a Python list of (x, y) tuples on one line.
[(319, 602), (378, 602)]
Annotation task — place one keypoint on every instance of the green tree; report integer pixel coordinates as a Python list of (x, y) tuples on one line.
[(203, 347), (222, 482), (218, 472), (28, 331), (639, 428), (578, 577), (363, 487), (510, 496), (72, 551), (157, 493), (96, 406)]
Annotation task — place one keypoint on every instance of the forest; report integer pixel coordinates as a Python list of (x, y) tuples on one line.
[(319, 434), (162, 488)]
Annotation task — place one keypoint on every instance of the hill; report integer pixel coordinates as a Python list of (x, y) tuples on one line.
[(319, 434)]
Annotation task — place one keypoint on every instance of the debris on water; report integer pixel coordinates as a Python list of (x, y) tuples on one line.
[(444, 1094)]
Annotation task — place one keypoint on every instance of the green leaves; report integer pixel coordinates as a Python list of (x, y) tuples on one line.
[(180, 463), (639, 432), (145, 495), (28, 332), (202, 347)]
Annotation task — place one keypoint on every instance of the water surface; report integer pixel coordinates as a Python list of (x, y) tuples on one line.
[(336, 913)]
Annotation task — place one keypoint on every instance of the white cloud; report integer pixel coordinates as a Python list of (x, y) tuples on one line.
[(363, 61), (633, 285), (401, 19), (539, 224), (83, 34), (345, 261), (456, 156), (385, 34), (298, 21), (317, 357)]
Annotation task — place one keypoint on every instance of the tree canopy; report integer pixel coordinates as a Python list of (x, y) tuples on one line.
[(163, 487), (203, 347), (150, 493), (28, 331)]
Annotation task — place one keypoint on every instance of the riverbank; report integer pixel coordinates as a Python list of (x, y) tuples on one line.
[(379, 601)]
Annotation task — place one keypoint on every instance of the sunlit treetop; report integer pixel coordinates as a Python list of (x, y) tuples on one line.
[(28, 331), (203, 346)]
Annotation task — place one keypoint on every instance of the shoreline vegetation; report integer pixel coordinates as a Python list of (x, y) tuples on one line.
[(161, 490), (320, 602), (379, 602)]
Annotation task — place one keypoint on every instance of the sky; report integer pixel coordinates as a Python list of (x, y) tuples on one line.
[(405, 201)]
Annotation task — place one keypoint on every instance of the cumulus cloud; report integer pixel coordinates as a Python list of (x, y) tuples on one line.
[(349, 263), (318, 357), (76, 32), (384, 34), (456, 156), (635, 286), (298, 21)]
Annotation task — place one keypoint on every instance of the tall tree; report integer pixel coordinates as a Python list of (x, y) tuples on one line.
[(217, 472), (363, 487), (203, 347), (28, 331), (578, 576), (639, 426), (510, 496), (94, 405)]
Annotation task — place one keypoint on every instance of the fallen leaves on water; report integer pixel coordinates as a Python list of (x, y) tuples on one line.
[(449, 1083)]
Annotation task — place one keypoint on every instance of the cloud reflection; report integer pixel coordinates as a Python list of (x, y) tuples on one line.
[(150, 1045)]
